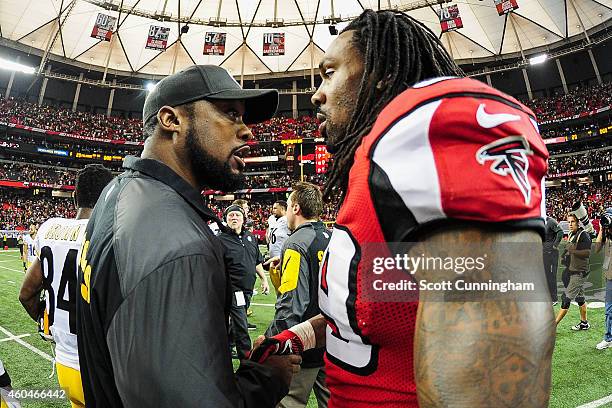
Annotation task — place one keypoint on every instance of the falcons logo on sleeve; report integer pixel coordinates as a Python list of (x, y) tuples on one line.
[(509, 157)]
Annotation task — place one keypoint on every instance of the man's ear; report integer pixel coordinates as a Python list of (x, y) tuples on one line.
[(296, 209), (169, 119)]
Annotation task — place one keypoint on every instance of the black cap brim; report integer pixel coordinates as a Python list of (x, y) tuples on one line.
[(260, 104)]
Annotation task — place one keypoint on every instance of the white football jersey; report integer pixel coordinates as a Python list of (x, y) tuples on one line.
[(278, 235), (272, 221), (29, 249), (58, 245)]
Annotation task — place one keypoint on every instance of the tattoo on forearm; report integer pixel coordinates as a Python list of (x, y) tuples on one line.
[(466, 359), (487, 353)]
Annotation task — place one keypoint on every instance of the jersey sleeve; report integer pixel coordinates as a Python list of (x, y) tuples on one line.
[(294, 289), (461, 158), (37, 242)]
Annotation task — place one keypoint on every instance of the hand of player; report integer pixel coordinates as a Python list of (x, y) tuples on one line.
[(265, 288), (284, 343), (273, 262), (284, 367)]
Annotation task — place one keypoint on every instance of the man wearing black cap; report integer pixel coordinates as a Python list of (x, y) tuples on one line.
[(242, 259), (151, 317)]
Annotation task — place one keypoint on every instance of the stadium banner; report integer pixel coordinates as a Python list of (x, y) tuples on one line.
[(214, 43), (32, 184), (104, 26), (581, 172), (158, 38), (291, 141), (555, 140), (305, 156), (321, 159), (261, 159), (505, 6), (55, 152), (450, 19), (250, 191), (273, 44)]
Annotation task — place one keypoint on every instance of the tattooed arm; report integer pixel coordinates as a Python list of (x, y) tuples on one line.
[(485, 353)]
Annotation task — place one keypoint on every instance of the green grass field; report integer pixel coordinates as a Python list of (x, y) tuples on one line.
[(581, 374)]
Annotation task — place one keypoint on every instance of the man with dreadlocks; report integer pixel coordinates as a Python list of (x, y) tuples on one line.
[(423, 155)]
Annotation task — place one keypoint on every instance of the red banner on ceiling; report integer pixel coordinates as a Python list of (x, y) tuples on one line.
[(158, 38), (273, 44), (214, 43), (450, 18), (104, 26), (505, 6)]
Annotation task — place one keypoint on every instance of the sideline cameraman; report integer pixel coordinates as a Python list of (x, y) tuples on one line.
[(576, 261), (604, 241)]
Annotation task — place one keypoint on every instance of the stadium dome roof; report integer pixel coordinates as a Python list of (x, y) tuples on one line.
[(64, 26)]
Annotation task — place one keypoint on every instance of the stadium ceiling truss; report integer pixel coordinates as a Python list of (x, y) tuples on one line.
[(63, 28)]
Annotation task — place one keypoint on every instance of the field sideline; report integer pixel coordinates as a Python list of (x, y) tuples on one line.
[(581, 374)]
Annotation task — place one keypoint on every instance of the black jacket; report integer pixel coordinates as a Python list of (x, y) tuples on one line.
[(153, 301), (242, 255)]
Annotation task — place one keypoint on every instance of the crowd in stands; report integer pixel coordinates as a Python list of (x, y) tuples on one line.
[(579, 100), (583, 160), (596, 198), (280, 180), (64, 120), (42, 174), (267, 149), (56, 119), (286, 128), (20, 211), (25, 113), (268, 181)]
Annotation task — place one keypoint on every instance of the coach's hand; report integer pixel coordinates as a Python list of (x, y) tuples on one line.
[(284, 366)]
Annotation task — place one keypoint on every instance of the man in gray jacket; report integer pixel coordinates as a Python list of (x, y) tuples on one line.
[(154, 294), (297, 295)]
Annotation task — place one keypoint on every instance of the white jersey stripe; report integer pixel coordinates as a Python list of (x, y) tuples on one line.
[(404, 153)]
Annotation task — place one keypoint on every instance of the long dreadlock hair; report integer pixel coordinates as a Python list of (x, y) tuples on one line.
[(398, 51)]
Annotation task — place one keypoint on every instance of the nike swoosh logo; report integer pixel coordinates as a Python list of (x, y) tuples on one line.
[(491, 120)]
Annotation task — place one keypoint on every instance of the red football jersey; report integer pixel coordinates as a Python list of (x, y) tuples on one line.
[(447, 150)]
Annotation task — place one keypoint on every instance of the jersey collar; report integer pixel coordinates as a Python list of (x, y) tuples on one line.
[(166, 175)]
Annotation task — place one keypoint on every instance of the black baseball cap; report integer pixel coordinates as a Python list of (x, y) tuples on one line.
[(233, 207), (209, 82)]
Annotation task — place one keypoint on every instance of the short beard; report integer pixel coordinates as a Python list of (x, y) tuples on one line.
[(209, 171), (338, 133)]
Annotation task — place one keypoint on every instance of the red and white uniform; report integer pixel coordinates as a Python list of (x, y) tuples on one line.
[(447, 150)]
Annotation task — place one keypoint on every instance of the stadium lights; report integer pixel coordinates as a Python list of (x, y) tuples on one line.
[(14, 66), (150, 86), (538, 60)]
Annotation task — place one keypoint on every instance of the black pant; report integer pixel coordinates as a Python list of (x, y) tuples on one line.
[(551, 263), (239, 330)]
